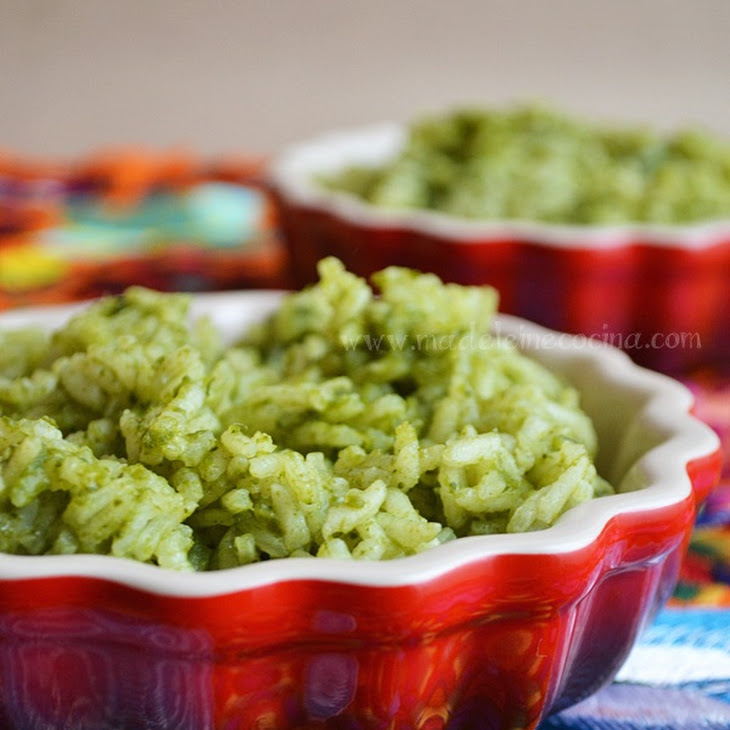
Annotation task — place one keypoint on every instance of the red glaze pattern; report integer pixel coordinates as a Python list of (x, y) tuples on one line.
[(497, 643), (665, 305)]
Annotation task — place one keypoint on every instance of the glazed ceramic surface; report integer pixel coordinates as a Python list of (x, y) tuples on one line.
[(658, 292), (480, 633)]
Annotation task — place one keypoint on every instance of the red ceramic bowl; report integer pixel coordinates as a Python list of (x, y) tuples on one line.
[(482, 632), (658, 292)]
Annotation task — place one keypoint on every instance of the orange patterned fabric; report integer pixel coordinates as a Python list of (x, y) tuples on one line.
[(71, 231)]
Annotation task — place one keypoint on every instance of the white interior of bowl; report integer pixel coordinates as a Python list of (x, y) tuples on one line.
[(646, 438), (295, 171)]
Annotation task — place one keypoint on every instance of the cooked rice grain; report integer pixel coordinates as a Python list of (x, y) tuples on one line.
[(349, 424)]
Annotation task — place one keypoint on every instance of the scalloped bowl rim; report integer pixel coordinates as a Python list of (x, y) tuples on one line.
[(664, 467), (291, 174)]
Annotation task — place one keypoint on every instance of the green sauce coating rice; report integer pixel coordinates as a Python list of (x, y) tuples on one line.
[(530, 163), (349, 424)]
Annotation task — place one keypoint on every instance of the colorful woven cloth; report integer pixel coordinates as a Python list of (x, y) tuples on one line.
[(70, 232), (676, 678)]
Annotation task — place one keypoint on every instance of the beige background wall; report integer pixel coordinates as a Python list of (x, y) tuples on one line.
[(254, 75)]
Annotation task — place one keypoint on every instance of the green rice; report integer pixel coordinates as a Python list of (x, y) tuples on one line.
[(346, 425), (530, 163)]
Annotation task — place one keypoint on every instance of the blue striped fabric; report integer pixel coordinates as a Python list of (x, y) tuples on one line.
[(677, 678)]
